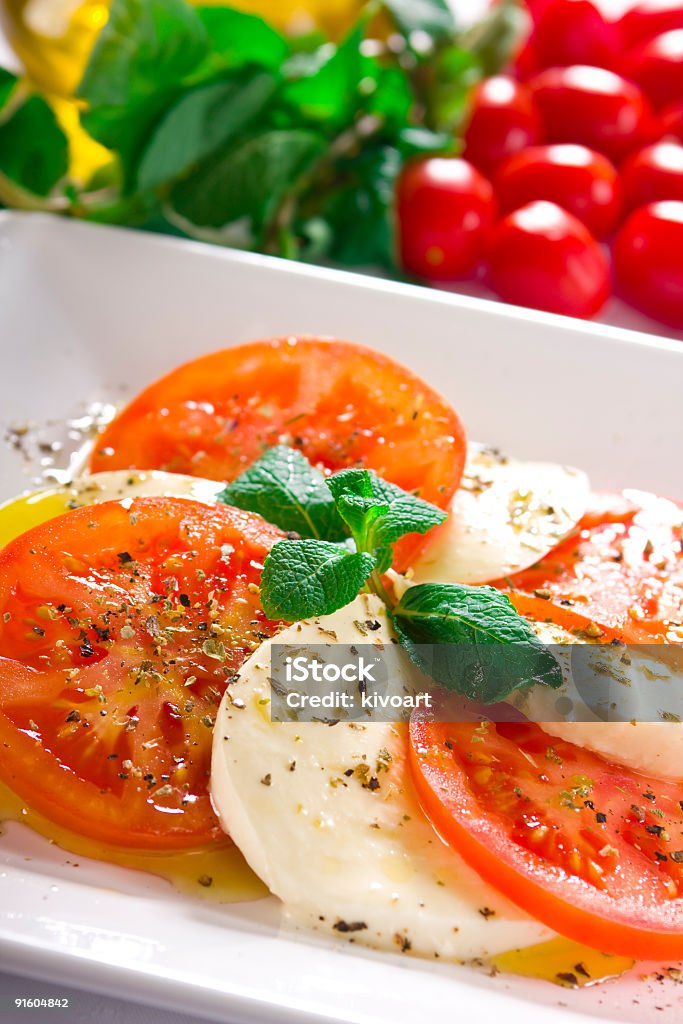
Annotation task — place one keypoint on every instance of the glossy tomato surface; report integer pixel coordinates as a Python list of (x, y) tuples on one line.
[(121, 624), (592, 850), (649, 263), (650, 18), (575, 32), (593, 107), (445, 209), (338, 403), (622, 572), (657, 67), (669, 126), (543, 257), (503, 120), (653, 174), (581, 181)]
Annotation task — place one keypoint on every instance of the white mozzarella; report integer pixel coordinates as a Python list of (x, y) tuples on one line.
[(133, 483), (638, 679), (340, 854), (506, 515)]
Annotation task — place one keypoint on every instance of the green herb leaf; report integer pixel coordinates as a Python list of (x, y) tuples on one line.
[(200, 122), (238, 39), (331, 93), (455, 632), (247, 182), (139, 62), (434, 17), (283, 487), (380, 511), (7, 83), (34, 152), (302, 578)]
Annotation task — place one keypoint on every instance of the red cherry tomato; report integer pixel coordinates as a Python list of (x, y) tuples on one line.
[(670, 122), (503, 121), (575, 32), (657, 67), (543, 257), (653, 174), (648, 19), (648, 262), (526, 64), (445, 210), (594, 107), (578, 179)]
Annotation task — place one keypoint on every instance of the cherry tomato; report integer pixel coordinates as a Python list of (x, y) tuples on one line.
[(561, 832), (120, 626), (654, 173), (575, 32), (622, 570), (578, 179), (593, 107), (648, 258), (670, 123), (648, 19), (503, 121), (543, 257), (657, 67), (526, 63), (445, 209), (340, 404)]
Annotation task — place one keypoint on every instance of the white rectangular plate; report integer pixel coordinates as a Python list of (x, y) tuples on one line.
[(90, 313)]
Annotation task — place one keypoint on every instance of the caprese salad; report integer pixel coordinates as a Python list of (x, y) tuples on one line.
[(302, 490)]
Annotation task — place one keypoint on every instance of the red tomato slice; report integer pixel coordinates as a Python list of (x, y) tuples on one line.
[(592, 850), (120, 626), (622, 570), (340, 404)]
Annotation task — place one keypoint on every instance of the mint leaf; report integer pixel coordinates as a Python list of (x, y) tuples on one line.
[(380, 513), (7, 83), (285, 489), (34, 152), (238, 39), (199, 123), (472, 640), (434, 17), (302, 578), (247, 182)]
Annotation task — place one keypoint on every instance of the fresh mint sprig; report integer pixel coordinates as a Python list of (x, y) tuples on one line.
[(451, 631)]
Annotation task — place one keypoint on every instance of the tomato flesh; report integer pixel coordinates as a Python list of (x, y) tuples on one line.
[(340, 404), (622, 571), (120, 626), (592, 850)]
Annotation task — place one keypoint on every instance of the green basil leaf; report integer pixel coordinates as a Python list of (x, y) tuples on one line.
[(238, 38), (200, 122), (330, 94), (34, 151), (137, 67), (7, 83), (380, 511), (302, 578), (285, 489), (247, 182), (145, 46), (434, 17), (455, 632)]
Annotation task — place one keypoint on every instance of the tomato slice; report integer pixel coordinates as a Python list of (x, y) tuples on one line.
[(592, 850), (340, 404), (120, 627), (622, 570)]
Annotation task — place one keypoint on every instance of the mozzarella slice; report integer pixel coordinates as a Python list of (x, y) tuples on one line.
[(346, 858), (506, 515), (645, 686)]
